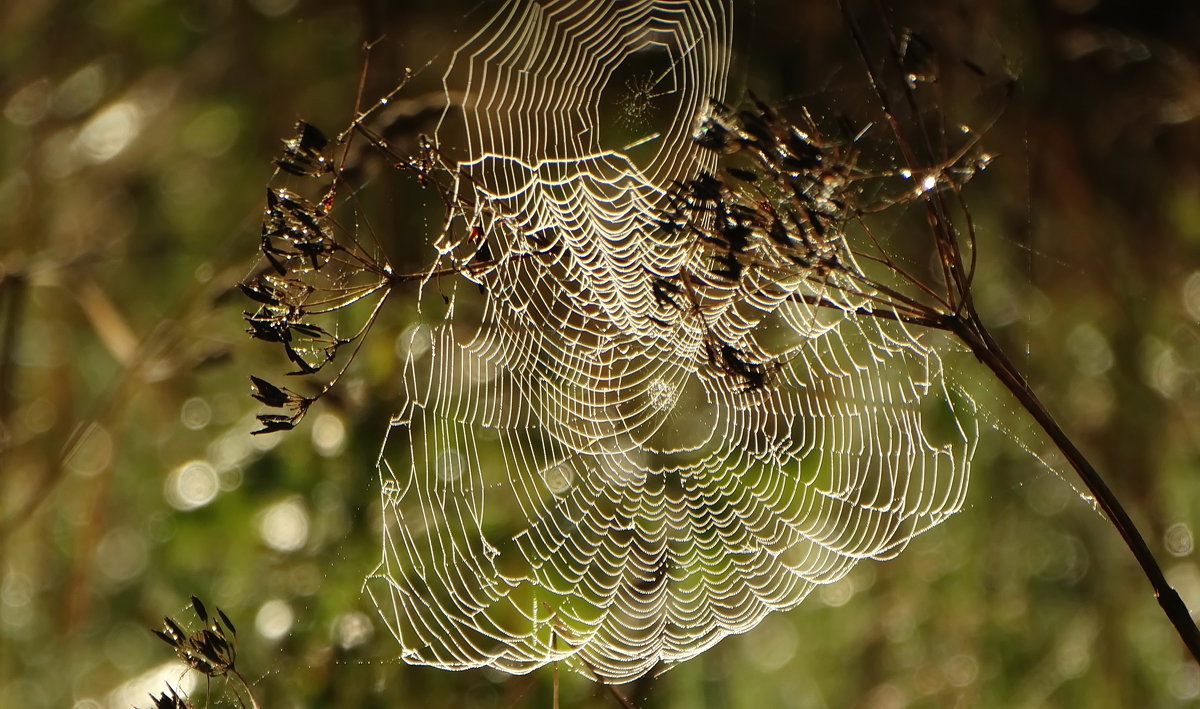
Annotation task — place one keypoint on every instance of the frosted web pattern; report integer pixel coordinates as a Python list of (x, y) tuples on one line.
[(607, 455)]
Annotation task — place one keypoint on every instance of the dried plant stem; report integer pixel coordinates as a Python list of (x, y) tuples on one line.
[(970, 331), (13, 289), (556, 685), (616, 694), (554, 646), (962, 319), (246, 686), (620, 698)]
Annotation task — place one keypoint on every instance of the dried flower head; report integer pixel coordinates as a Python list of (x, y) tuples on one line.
[(314, 269), (170, 699), (210, 650)]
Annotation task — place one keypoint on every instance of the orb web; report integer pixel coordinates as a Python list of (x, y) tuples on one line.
[(605, 456)]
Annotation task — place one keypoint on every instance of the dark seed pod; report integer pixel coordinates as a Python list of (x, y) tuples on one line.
[(174, 631), (732, 270), (706, 188), (742, 174), (228, 623), (310, 137), (272, 423), (268, 393), (201, 611), (257, 293)]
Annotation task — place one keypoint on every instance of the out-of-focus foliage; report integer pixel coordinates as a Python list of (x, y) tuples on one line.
[(135, 143)]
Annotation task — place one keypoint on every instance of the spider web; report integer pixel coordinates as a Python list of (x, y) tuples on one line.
[(572, 476)]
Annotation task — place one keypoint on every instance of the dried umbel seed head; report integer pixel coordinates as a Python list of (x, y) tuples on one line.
[(302, 154), (211, 650), (279, 398), (297, 236), (170, 699), (314, 269)]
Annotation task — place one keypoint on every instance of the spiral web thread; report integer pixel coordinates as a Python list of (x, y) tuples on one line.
[(571, 478)]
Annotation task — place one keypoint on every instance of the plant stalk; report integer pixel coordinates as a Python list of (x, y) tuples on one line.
[(972, 332)]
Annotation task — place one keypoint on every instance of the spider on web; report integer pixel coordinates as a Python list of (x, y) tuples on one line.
[(638, 102)]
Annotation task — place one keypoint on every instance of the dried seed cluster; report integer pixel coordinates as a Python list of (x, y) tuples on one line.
[(211, 650), (782, 213), (170, 699), (311, 274)]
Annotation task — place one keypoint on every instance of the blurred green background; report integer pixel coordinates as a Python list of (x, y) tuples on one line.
[(136, 139)]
